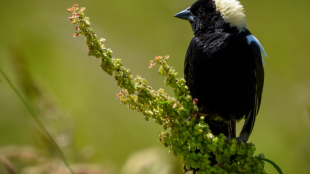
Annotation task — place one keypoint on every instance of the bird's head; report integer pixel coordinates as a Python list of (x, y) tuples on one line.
[(215, 15)]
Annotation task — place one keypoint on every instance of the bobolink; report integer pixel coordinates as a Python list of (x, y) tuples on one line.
[(223, 66)]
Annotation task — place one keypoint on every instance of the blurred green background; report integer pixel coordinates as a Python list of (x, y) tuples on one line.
[(39, 31)]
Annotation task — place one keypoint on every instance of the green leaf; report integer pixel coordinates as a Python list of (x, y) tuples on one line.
[(164, 103)]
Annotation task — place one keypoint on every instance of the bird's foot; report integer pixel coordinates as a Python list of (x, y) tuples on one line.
[(195, 114)]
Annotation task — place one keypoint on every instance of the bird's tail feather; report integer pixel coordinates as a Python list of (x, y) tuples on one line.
[(247, 127)]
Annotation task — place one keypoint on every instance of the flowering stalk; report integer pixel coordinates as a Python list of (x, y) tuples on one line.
[(185, 137)]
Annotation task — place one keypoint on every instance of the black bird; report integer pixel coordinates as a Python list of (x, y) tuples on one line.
[(223, 66)]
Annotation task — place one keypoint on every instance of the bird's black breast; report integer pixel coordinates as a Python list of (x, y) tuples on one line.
[(220, 72)]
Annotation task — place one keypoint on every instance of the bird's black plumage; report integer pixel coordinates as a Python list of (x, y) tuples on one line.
[(223, 69)]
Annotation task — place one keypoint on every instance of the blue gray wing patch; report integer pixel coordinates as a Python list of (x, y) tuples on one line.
[(252, 38)]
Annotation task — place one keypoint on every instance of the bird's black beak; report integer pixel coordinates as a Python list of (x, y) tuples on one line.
[(185, 14)]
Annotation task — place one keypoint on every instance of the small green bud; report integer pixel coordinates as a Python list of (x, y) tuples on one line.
[(253, 148), (232, 149)]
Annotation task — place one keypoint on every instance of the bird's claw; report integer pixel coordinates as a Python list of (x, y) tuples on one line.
[(197, 116)]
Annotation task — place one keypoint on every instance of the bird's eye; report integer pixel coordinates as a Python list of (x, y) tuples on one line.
[(201, 11)]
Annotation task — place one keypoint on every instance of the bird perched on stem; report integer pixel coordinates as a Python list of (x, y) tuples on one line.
[(223, 66)]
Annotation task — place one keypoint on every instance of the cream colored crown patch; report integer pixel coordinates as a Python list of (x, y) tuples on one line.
[(232, 12)]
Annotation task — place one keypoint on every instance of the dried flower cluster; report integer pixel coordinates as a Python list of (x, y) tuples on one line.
[(194, 142)]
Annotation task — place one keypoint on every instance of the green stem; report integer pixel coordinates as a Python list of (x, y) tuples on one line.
[(272, 163), (38, 121)]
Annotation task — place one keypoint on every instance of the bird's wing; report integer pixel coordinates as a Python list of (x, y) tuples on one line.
[(259, 75), (198, 51), (190, 54)]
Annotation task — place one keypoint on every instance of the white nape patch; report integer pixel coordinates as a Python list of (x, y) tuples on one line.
[(252, 38), (232, 12)]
